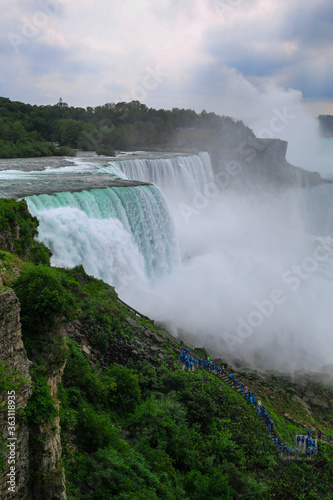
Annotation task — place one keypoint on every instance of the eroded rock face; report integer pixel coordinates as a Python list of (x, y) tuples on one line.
[(6, 241), (145, 346), (44, 458), (258, 163), (12, 353), (46, 448)]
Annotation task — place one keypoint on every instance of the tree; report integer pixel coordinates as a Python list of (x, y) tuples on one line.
[(42, 297), (68, 132)]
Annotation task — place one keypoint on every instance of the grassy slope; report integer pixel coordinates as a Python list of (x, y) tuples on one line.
[(146, 429)]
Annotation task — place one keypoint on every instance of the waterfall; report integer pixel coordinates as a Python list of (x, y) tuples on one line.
[(183, 174), (122, 235), (119, 234)]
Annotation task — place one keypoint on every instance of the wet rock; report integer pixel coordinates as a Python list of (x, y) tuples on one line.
[(131, 322), (86, 350), (157, 338), (319, 402)]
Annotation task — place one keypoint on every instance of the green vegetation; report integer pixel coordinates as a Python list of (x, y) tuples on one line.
[(19, 229), (142, 428), (42, 297), (172, 435), (40, 408), (27, 130), (105, 150), (16, 141), (64, 151), (180, 434), (10, 380)]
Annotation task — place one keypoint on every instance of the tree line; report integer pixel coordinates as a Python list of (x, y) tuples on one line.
[(29, 130)]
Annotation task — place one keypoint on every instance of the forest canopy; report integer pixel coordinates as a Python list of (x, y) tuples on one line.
[(30, 130)]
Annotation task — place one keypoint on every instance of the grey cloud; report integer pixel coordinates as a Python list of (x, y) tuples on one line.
[(313, 84), (245, 57), (312, 24), (256, 52)]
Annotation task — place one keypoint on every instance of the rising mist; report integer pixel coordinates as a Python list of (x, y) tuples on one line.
[(255, 280)]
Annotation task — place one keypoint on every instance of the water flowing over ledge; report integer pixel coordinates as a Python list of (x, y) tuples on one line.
[(119, 234), (185, 173)]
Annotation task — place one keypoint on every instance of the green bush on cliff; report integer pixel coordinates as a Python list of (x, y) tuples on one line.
[(40, 254), (40, 407), (42, 297), (10, 380), (16, 221)]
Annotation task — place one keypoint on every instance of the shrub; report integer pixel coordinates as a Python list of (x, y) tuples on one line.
[(203, 486), (95, 430), (127, 394), (100, 341), (64, 151), (42, 297), (40, 407), (40, 254), (105, 150)]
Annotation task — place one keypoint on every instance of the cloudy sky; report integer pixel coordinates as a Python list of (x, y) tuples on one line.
[(227, 56)]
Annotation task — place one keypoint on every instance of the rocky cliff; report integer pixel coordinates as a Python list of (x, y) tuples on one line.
[(259, 163), (13, 355), (37, 451), (45, 446)]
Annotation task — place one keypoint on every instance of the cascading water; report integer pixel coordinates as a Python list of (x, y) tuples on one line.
[(118, 234), (256, 274), (184, 175)]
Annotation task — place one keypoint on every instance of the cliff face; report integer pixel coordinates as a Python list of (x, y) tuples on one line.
[(37, 448), (261, 163), (12, 353), (45, 448)]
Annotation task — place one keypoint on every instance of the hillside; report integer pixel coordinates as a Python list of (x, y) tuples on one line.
[(106, 410)]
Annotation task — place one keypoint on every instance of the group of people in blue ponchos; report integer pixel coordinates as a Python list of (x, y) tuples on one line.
[(307, 443), (193, 362)]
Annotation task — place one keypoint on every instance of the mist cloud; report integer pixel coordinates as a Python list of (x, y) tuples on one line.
[(253, 284)]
